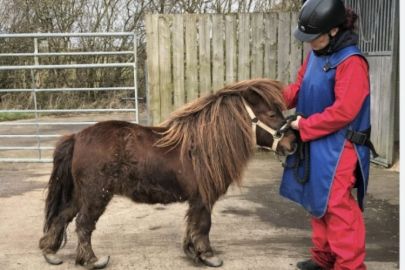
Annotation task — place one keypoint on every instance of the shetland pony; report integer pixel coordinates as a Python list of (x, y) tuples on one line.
[(192, 157)]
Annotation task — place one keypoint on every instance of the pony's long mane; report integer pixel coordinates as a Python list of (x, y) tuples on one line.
[(215, 134)]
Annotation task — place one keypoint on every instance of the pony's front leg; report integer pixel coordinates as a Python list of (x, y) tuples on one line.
[(196, 242)]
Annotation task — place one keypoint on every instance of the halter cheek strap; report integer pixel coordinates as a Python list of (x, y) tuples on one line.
[(256, 122)]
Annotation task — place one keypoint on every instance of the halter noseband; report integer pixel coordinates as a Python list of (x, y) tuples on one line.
[(277, 136)]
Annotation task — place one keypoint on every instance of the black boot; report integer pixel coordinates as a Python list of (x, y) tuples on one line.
[(309, 265)]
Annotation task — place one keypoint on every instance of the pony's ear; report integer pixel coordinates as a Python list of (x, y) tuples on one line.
[(251, 97)]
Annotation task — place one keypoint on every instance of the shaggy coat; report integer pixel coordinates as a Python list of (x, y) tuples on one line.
[(193, 156)]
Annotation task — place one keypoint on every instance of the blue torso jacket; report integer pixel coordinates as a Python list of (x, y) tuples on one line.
[(316, 94)]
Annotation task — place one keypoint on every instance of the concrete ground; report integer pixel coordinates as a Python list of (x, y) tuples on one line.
[(252, 227)]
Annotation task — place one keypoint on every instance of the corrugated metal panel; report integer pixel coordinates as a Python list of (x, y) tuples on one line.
[(374, 25)]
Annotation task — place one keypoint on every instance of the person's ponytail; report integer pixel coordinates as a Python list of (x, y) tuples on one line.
[(351, 18)]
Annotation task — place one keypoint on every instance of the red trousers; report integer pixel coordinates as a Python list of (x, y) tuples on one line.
[(339, 236)]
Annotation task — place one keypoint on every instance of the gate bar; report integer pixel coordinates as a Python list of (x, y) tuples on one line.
[(105, 65), (37, 35), (36, 54), (68, 110), (63, 54), (69, 89)]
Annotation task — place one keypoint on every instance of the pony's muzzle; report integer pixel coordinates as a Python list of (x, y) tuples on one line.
[(293, 149), (288, 148)]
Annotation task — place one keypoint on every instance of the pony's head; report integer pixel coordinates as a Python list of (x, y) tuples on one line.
[(264, 102)]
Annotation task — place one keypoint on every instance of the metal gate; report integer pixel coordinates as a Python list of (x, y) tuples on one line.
[(36, 141)]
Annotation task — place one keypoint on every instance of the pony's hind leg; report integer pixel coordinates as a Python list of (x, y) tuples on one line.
[(85, 225), (51, 242), (196, 242)]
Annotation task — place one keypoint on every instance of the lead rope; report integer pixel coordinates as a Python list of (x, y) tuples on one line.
[(302, 153)]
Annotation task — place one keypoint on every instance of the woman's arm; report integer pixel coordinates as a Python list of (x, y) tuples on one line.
[(351, 89)]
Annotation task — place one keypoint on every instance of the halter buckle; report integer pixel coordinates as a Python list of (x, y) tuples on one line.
[(277, 137)]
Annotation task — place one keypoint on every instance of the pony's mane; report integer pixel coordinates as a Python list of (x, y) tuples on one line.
[(214, 133)]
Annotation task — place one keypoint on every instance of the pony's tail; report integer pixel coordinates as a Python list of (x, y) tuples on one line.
[(60, 187)]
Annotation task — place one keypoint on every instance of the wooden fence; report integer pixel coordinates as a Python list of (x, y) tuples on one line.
[(190, 55)]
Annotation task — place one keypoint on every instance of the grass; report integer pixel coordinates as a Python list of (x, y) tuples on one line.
[(15, 116)]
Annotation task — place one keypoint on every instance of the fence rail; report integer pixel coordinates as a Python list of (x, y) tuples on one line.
[(34, 90)]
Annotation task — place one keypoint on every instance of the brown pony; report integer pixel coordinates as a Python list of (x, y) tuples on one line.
[(194, 156)]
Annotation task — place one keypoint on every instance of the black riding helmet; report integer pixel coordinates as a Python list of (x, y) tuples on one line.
[(318, 17)]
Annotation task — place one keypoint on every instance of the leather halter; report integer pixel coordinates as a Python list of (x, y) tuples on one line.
[(277, 136)]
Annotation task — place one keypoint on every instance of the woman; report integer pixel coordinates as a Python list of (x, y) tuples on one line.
[(332, 93)]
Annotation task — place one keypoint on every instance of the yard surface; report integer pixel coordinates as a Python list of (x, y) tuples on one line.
[(252, 227)]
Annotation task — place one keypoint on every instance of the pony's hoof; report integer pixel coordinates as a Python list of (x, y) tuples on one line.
[(52, 259), (102, 262), (213, 261)]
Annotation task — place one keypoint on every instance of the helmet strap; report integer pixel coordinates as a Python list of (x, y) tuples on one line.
[(331, 42), (329, 48)]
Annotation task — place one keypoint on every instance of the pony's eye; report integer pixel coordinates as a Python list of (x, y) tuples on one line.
[(271, 116)]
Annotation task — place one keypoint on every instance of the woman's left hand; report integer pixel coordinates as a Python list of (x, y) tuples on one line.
[(295, 123)]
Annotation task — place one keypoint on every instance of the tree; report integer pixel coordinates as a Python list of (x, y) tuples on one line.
[(61, 16)]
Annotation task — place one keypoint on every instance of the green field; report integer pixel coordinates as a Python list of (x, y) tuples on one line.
[(15, 116)]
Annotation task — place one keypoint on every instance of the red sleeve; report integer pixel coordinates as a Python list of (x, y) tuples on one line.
[(290, 93), (351, 89)]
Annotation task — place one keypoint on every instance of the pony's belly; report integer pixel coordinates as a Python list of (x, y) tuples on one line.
[(155, 196), (154, 187)]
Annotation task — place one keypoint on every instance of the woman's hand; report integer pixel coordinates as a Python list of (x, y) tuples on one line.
[(295, 123)]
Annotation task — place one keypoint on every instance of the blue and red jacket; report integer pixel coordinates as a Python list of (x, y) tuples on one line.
[(332, 101)]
